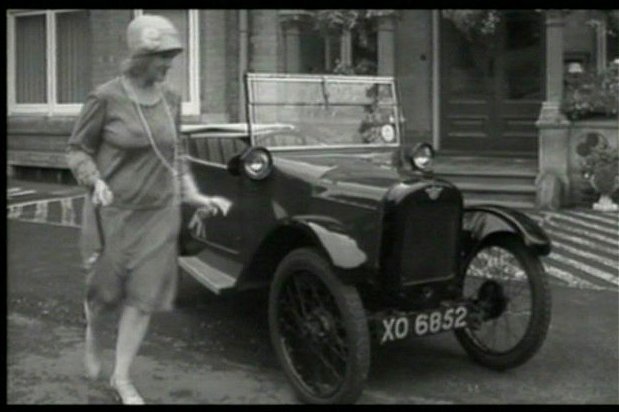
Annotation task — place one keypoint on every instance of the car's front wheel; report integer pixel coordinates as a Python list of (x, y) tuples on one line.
[(509, 287), (318, 329)]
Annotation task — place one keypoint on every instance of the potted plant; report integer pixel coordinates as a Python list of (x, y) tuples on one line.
[(600, 166), (591, 95)]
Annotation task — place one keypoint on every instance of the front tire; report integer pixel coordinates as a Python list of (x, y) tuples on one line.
[(508, 282), (318, 329)]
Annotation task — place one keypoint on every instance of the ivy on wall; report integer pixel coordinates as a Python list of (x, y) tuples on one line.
[(481, 24)]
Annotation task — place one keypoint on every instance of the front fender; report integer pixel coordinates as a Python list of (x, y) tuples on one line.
[(342, 249), (479, 222)]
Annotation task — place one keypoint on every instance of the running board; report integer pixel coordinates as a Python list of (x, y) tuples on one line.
[(211, 277)]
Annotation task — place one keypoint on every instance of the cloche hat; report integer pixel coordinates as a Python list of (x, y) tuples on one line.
[(149, 33)]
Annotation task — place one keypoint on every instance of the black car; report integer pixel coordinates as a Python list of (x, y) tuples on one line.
[(359, 243)]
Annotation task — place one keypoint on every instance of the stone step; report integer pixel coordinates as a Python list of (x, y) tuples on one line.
[(506, 181), (456, 171), (490, 180), (514, 200), (486, 166), (495, 187), (513, 204)]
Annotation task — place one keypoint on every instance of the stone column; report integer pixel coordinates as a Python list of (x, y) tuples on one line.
[(553, 181), (346, 48), (386, 45), (293, 49)]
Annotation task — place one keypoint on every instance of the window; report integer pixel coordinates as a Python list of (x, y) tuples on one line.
[(353, 52), (338, 51), (183, 76), (48, 60)]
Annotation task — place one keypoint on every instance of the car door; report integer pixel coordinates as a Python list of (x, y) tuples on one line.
[(216, 238)]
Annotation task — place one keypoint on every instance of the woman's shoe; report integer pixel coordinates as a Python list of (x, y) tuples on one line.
[(126, 392), (93, 366)]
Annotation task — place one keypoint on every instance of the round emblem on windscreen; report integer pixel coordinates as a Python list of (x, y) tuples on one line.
[(387, 133)]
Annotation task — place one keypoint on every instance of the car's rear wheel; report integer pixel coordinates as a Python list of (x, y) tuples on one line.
[(318, 329), (510, 289)]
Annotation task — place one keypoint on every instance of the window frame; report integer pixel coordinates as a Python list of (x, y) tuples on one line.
[(192, 106), (51, 106)]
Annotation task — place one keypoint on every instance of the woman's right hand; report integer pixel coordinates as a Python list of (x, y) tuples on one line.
[(102, 195)]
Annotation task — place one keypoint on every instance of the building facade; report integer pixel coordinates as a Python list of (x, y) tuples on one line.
[(496, 97)]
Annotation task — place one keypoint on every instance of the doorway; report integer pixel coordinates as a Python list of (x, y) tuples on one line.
[(491, 91)]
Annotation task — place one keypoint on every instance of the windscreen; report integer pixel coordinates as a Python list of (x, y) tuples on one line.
[(324, 110)]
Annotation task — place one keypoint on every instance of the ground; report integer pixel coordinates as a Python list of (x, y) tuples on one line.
[(216, 349)]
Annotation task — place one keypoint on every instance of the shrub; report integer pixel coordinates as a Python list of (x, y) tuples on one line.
[(600, 163), (592, 94)]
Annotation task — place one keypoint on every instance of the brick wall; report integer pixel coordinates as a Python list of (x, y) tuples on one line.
[(109, 47), (233, 89), (264, 42), (213, 67)]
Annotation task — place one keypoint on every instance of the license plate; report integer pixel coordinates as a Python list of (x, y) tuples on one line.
[(402, 325)]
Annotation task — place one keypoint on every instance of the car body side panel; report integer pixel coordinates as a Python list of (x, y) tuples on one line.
[(346, 226), (336, 199)]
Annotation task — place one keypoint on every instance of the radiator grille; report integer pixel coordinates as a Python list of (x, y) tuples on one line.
[(426, 238)]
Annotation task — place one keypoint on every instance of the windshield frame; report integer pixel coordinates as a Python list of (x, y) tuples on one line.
[(252, 78)]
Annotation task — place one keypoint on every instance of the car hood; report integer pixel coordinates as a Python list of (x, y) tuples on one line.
[(362, 177)]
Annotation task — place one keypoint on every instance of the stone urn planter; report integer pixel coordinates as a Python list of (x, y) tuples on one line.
[(600, 166), (605, 183), (591, 103), (605, 204)]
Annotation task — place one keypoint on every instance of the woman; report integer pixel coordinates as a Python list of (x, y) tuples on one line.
[(126, 148)]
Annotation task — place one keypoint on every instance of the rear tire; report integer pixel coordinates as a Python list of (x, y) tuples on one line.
[(494, 292), (318, 329)]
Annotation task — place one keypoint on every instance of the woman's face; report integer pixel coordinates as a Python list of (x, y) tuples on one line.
[(158, 68)]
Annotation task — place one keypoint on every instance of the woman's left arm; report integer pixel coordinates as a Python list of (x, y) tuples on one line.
[(189, 189)]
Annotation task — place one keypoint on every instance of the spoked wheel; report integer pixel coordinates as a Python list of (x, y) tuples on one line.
[(509, 287), (319, 330)]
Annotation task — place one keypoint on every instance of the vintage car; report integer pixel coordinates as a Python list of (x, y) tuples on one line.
[(357, 239)]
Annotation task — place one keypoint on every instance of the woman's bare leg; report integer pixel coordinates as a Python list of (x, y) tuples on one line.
[(131, 331), (92, 355)]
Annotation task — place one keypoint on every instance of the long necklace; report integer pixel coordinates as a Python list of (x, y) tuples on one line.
[(172, 168)]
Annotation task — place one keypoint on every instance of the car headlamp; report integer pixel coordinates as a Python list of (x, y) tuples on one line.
[(257, 163), (421, 157)]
